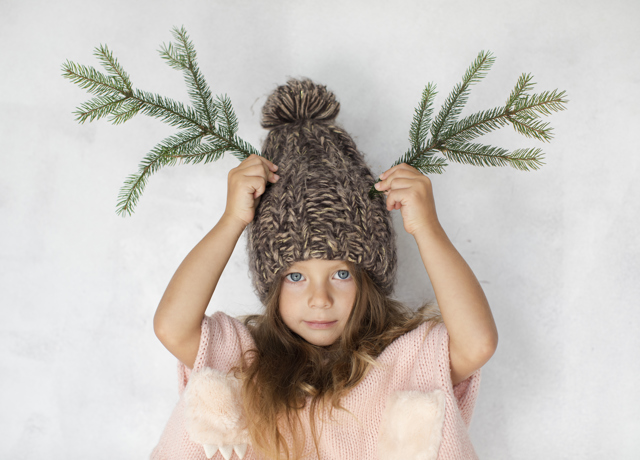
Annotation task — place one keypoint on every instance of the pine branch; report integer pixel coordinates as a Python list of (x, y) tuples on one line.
[(422, 118), (98, 107), (205, 153), (430, 164), (476, 125), (456, 101), (524, 159), (172, 112), (241, 149), (125, 112), (166, 153), (544, 103), (214, 122), (476, 154), (173, 57), (523, 85), (226, 116), (412, 155), (486, 155), (531, 127), (112, 65), (451, 137), (197, 87), (89, 79), (522, 114)]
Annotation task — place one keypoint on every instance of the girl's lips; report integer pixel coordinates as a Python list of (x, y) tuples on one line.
[(320, 325)]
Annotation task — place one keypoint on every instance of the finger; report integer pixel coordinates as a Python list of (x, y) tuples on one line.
[(270, 171), (401, 167), (393, 204), (260, 169), (400, 171), (263, 170), (256, 186), (268, 163), (254, 159), (397, 198), (394, 200), (395, 183)]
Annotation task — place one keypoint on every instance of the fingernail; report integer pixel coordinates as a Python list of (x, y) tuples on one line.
[(276, 177), (377, 185)]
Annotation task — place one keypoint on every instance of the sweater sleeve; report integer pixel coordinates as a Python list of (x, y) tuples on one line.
[(223, 339), (465, 392)]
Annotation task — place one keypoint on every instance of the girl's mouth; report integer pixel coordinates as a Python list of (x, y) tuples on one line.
[(320, 324)]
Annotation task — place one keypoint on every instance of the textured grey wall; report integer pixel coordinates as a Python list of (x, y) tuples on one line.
[(82, 373)]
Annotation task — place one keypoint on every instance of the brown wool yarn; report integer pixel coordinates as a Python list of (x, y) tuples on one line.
[(320, 208)]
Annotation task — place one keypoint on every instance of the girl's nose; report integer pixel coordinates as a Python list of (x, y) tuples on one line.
[(320, 297)]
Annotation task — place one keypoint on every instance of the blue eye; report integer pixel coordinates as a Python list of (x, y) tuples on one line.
[(343, 274), (295, 277)]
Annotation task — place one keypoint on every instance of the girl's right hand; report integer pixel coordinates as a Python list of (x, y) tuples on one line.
[(245, 184)]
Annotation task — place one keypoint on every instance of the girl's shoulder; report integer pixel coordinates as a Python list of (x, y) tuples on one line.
[(428, 340), (429, 330), (422, 355), (223, 340), (226, 327)]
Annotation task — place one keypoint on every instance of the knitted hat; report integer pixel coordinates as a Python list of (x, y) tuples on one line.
[(320, 208)]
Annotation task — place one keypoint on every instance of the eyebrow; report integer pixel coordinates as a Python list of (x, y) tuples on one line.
[(338, 263)]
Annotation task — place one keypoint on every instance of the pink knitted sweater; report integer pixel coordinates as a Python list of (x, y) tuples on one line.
[(405, 408)]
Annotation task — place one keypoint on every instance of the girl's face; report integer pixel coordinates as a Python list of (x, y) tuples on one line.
[(316, 299)]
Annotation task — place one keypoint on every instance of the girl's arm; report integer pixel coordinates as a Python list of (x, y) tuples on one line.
[(179, 315), (473, 336)]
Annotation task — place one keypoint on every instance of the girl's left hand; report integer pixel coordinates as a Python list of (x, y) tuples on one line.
[(410, 191)]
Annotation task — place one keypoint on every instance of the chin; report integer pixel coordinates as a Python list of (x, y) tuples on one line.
[(320, 342)]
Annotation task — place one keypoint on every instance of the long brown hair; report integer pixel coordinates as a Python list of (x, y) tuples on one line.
[(284, 369)]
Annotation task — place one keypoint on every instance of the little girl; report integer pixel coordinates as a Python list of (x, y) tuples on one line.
[(333, 368)]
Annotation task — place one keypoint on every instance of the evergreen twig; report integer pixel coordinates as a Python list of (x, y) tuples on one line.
[(456, 101), (422, 118), (451, 137), (208, 127)]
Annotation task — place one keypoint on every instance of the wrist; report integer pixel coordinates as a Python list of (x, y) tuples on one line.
[(233, 223), (429, 231)]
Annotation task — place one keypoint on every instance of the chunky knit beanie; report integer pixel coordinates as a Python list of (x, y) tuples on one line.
[(320, 208)]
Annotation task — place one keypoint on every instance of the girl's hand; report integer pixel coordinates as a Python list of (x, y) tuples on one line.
[(245, 184), (408, 190)]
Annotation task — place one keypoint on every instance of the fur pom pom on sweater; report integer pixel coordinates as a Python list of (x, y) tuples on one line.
[(405, 408)]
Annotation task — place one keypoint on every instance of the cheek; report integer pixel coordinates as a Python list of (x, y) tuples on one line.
[(349, 301), (352, 292), (285, 308)]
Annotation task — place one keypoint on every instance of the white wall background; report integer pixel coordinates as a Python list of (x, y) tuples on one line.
[(81, 372)]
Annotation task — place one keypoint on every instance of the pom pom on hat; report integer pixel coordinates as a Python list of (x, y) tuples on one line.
[(299, 100)]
